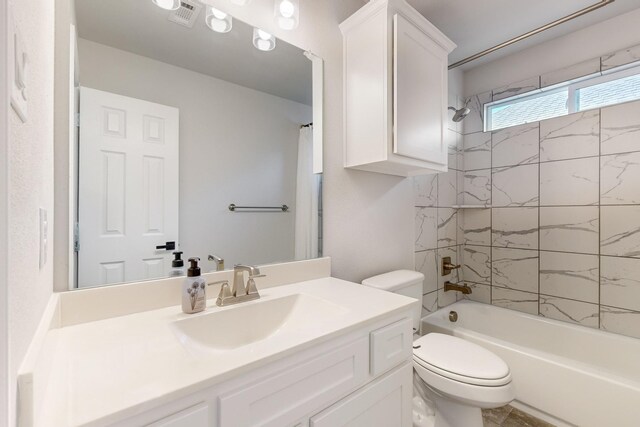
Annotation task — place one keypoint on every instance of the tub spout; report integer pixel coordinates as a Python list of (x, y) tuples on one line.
[(464, 288)]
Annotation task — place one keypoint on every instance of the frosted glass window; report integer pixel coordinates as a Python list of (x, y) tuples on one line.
[(530, 109), (609, 93)]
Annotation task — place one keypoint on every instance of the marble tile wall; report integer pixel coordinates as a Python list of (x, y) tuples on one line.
[(562, 236)]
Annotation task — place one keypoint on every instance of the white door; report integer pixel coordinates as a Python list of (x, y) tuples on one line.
[(128, 188)]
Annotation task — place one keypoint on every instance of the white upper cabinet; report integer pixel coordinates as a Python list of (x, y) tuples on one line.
[(395, 77)]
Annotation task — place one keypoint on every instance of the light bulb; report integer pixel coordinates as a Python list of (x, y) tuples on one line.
[(218, 20), (287, 9), (167, 4), (263, 34), (263, 41), (287, 13)]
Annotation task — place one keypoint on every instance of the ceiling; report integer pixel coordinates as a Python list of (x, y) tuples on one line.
[(142, 28), (476, 25)]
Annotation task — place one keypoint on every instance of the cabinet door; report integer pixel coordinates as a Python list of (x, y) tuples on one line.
[(196, 416), (384, 403), (420, 85)]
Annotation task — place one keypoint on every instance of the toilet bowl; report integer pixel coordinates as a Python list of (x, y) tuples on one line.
[(461, 378)]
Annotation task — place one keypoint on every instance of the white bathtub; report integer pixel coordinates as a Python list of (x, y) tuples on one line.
[(567, 374)]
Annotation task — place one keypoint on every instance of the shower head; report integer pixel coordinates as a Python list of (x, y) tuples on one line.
[(460, 114)]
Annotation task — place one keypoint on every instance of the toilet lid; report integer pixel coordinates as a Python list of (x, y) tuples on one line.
[(460, 360)]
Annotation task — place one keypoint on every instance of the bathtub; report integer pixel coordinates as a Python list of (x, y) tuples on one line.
[(566, 374)]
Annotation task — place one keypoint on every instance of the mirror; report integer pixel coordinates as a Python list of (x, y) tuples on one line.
[(195, 135)]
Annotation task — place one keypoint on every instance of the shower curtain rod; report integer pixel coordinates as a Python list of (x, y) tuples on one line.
[(555, 23)]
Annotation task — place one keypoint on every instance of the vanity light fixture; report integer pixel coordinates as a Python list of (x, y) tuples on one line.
[(218, 20), (168, 4), (287, 13), (263, 41), (241, 2)]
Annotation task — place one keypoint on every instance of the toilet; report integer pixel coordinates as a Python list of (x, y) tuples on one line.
[(460, 377)]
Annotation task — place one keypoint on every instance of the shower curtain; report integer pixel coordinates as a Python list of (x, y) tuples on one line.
[(307, 193)]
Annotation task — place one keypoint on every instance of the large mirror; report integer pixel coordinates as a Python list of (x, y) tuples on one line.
[(195, 135)]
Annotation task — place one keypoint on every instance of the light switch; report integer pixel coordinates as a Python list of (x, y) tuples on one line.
[(44, 237), (18, 68)]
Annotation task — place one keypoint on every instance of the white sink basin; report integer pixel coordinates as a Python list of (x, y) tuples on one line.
[(246, 323)]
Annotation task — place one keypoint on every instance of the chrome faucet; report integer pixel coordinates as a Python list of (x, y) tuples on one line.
[(239, 292), (219, 262)]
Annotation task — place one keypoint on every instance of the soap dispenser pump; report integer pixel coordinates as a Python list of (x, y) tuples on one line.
[(194, 290), (177, 265)]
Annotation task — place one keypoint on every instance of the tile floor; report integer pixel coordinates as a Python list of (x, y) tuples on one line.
[(508, 416)]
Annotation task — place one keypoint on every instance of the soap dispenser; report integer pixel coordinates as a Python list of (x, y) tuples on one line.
[(194, 290), (177, 265)]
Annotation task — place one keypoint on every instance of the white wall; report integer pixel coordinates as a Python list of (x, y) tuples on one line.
[(30, 185), (237, 145), (4, 318), (605, 37)]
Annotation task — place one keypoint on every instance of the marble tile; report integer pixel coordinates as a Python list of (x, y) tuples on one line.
[(447, 227), (447, 189), (477, 151), (497, 415), (515, 228), (446, 298), (426, 228), (456, 159), (620, 231), (569, 275), (566, 310), (569, 229), (477, 187), (620, 321), (515, 186), (525, 302), (425, 190), (516, 145), (518, 418), (454, 276), (569, 182), (453, 139), (460, 188), (620, 282), (477, 227), (621, 57), (569, 137), (620, 128), (517, 88), (479, 293), (426, 262), (475, 120), (582, 69), (476, 264), (429, 303), (515, 269), (620, 179)]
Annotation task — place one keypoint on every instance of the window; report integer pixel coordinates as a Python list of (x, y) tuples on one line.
[(616, 86)]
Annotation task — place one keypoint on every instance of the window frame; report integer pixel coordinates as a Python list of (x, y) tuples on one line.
[(571, 86)]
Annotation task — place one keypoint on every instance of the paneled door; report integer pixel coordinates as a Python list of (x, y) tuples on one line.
[(128, 188)]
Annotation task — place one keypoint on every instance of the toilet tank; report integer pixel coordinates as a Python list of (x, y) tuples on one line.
[(403, 282)]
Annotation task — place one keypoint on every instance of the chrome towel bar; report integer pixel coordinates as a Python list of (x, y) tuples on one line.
[(283, 208)]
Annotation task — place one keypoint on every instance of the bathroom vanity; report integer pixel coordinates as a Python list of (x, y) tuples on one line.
[(307, 353)]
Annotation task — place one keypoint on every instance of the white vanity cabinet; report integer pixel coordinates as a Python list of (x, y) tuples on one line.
[(395, 90)]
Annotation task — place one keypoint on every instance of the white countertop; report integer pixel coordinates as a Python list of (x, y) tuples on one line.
[(107, 370)]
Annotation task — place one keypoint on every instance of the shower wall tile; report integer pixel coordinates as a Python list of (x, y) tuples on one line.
[(515, 228), (425, 190), (429, 303), (515, 186), (620, 179), (446, 298), (570, 137), (477, 151), (621, 57), (447, 227), (516, 145), (581, 69), (474, 122), (515, 269), (525, 302), (426, 226), (517, 88), (447, 188), (620, 282), (620, 231), (620, 128), (479, 293), (477, 187), (476, 264), (477, 227), (620, 321), (569, 182), (426, 262), (567, 275), (581, 313), (569, 229)]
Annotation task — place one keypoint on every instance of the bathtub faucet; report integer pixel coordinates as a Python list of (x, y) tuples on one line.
[(464, 288)]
